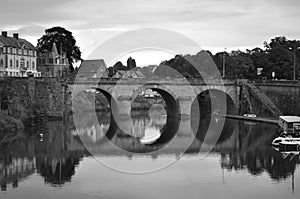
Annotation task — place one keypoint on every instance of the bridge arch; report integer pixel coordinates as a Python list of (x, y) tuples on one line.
[(84, 105), (172, 108), (171, 100), (221, 98), (209, 113), (110, 99)]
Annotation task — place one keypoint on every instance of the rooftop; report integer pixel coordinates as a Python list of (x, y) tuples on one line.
[(90, 68), (15, 42)]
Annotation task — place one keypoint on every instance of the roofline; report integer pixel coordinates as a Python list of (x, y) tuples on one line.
[(91, 59)]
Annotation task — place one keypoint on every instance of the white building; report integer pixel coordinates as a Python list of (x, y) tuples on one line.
[(18, 57)]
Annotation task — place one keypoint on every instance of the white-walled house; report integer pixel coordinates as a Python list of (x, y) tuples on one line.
[(18, 57)]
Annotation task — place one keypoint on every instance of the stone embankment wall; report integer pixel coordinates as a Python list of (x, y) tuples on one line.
[(270, 99), (286, 96), (27, 97)]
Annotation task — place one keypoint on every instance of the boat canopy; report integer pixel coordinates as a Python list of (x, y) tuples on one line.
[(290, 119), (290, 124)]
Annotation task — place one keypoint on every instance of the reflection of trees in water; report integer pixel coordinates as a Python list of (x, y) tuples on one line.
[(254, 153), (259, 161), (17, 161), (54, 160), (212, 135), (205, 121), (58, 170)]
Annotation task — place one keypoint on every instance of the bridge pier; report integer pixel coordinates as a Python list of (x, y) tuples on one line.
[(185, 103), (124, 106)]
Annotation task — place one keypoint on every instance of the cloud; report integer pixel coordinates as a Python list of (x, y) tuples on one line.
[(20, 13), (213, 23), (30, 30)]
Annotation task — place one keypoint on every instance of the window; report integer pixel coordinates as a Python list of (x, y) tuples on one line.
[(22, 64), (33, 65), (27, 64), (1, 63), (10, 63), (17, 64)]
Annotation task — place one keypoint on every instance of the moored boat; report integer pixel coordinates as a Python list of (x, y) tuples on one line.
[(289, 139)]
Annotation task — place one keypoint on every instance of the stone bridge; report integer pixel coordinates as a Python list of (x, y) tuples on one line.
[(178, 94), (52, 97)]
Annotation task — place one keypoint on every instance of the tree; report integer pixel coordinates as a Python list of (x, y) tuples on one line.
[(113, 69), (64, 40), (130, 63), (280, 57)]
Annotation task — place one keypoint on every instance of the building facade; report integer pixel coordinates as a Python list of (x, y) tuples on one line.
[(18, 57), (53, 64)]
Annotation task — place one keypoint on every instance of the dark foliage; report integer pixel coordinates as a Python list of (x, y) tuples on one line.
[(64, 41)]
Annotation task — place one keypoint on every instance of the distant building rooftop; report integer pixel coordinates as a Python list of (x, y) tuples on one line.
[(92, 68)]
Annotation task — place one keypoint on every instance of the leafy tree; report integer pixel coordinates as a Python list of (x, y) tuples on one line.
[(63, 39), (277, 56), (131, 63), (113, 69), (177, 67), (280, 53), (240, 65)]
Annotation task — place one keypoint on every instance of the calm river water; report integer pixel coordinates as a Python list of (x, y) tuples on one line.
[(54, 160)]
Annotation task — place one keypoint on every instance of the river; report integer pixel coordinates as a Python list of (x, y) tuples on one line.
[(57, 160)]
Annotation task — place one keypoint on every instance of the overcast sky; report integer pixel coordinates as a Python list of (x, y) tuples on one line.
[(213, 24)]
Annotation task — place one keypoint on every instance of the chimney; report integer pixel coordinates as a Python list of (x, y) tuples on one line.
[(16, 35), (4, 33)]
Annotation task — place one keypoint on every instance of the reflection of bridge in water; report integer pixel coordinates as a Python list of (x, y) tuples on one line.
[(230, 139), (241, 146)]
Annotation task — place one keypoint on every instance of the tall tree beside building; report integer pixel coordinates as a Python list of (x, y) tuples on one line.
[(64, 41)]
